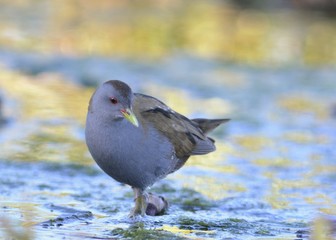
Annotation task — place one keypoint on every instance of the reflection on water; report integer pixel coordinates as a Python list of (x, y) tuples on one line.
[(51, 118)]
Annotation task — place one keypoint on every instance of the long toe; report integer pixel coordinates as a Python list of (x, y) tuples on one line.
[(140, 206)]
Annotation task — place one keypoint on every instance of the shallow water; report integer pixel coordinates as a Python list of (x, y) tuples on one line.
[(272, 175)]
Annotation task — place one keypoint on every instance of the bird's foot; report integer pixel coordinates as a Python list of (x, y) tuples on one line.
[(148, 204), (140, 204)]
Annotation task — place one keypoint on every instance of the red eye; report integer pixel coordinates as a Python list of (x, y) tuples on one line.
[(113, 100)]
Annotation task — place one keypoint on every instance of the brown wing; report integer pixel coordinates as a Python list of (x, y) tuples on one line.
[(185, 135)]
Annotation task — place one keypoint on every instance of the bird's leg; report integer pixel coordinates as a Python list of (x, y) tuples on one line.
[(140, 198)]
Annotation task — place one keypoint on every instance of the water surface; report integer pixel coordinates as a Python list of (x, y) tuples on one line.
[(272, 175)]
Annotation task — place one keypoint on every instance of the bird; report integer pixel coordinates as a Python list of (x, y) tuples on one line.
[(137, 139)]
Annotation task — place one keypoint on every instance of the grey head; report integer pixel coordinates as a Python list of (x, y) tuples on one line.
[(113, 101)]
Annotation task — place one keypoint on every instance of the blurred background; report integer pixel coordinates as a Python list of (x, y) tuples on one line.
[(267, 65), (268, 33)]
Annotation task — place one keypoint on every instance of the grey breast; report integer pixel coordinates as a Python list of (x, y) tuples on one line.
[(137, 156)]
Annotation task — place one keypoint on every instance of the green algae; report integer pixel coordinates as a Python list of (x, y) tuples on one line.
[(264, 232), (236, 226), (163, 188), (191, 200), (138, 231)]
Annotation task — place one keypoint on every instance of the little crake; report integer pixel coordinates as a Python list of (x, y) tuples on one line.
[(138, 140)]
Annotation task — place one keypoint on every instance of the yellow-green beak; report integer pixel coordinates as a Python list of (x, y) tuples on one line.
[(129, 116)]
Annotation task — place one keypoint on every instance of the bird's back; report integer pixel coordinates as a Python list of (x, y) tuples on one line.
[(188, 137)]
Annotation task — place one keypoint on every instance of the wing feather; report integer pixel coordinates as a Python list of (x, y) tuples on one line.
[(185, 135)]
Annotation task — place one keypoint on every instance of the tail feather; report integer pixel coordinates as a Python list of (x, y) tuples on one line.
[(207, 125)]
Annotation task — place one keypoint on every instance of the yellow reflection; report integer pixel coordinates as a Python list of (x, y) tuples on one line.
[(253, 143), (314, 51), (322, 229), (22, 227), (48, 96), (306, 138), (274, 162), (176, 230), (58, 106), (281, 200), (277, 199), (299, 103), (209, 186), (323, 202)]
